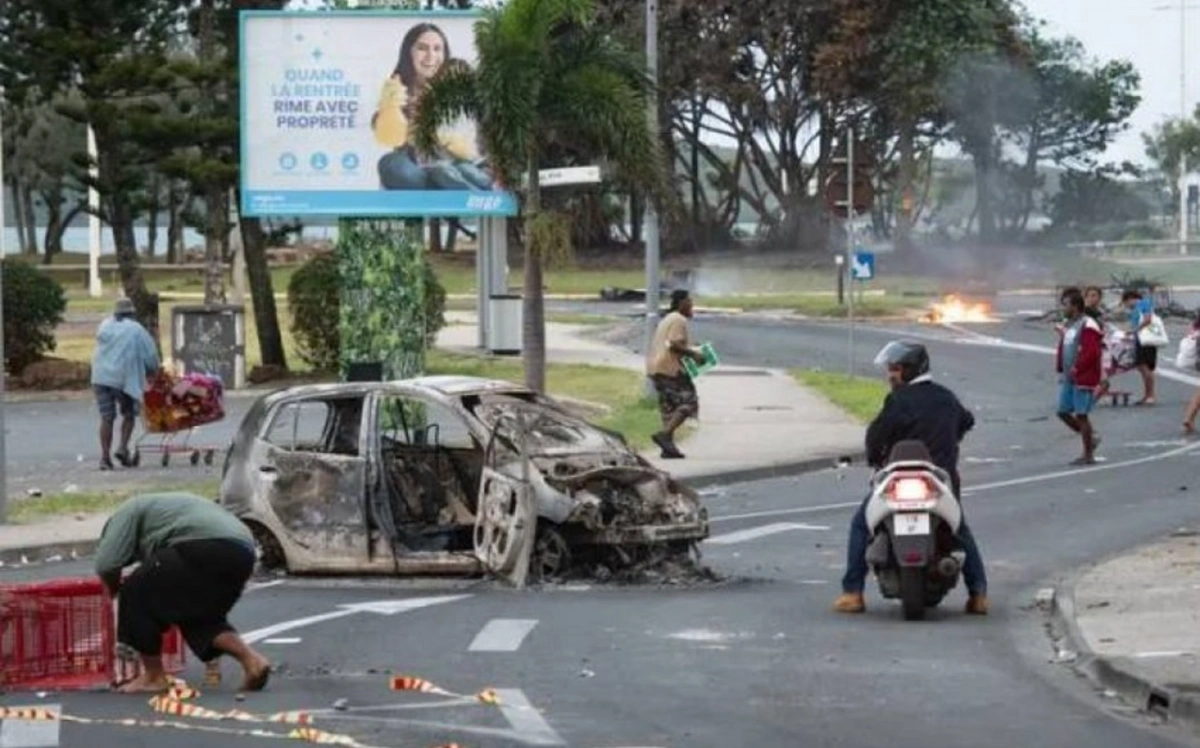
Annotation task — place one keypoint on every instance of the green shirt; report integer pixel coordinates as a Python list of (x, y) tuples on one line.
[(146, 524)]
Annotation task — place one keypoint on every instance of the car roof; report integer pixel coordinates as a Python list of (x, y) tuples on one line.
[(457, 386)]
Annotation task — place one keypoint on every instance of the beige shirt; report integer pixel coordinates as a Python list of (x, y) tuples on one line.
[(660, 359)]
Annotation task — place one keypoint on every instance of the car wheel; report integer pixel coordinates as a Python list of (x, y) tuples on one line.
[(267, 550), (551, 555)]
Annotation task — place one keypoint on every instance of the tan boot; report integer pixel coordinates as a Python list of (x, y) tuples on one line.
[(850, 602), (977, 605)]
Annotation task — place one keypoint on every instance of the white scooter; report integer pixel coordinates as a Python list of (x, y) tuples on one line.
[(914, 516)]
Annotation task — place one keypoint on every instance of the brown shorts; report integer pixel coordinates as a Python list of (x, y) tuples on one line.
[(676, 394)]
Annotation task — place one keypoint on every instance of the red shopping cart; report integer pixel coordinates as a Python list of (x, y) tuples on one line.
[(173, 408), (61, 635)]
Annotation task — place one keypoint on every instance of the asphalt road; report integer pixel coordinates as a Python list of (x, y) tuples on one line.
[(758, 658)]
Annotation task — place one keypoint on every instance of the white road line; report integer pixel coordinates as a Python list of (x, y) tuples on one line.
[(754, 533), (502, 635), (264, 585), (525, 719), (19, 733), (1074, 473), (785, 512), (382, 607), (277, 640)]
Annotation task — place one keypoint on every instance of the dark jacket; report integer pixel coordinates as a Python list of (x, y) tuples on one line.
[(925, 411)]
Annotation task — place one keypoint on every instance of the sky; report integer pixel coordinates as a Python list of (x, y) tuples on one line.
[(1133, 30)]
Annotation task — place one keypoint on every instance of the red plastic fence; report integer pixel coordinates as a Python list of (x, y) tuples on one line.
[(61, 635)]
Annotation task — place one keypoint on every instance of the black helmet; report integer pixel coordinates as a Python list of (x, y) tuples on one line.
[(911, 358)]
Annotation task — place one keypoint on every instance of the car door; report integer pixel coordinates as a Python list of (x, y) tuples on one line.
[(312, 476), (505, 516)]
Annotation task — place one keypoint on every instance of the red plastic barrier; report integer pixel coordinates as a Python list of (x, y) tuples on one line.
[(61, 635)]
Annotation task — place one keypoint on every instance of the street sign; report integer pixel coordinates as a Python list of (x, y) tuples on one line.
[(835, 193), (569, 175), (863, 266)]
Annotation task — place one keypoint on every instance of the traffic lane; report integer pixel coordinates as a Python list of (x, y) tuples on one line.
[(1026, 532), (53, 447)]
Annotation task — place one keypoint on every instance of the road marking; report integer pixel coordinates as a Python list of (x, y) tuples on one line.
[(20, 733), (1140, 655), (278, 640), (987, 340), (1075, 473), (502, 635), (755, 533), (381, 607), (264, 585), (785, 512), (525, 719)]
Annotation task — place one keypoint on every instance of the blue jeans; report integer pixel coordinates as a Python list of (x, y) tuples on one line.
[(860, 536)]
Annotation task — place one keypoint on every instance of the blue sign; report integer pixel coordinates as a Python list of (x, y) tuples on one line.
[(863, 266), (327, 101)]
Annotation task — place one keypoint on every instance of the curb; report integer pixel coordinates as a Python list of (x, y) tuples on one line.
[(48, 553), (78, 549), (780, 470), (1110, 673)]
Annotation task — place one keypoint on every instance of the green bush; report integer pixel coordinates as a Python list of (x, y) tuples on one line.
[(313, 294), (33, 307), (313, 297)]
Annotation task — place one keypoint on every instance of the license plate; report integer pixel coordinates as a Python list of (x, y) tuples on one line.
[(914, 523)]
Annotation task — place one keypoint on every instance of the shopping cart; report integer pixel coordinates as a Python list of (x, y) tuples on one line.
[(61, 635), (1120, 356), (173, 408)]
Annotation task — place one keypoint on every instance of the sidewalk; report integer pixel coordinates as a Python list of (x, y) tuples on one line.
[(1135, 623), (754, 423)]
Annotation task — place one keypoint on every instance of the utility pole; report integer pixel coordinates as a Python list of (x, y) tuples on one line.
[(850, 240), (3, 367), (1183, 116), (651, 221)]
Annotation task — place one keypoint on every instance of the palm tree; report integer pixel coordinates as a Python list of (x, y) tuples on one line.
[(549, 80)]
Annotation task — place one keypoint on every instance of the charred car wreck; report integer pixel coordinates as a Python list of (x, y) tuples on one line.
[(447, 475)]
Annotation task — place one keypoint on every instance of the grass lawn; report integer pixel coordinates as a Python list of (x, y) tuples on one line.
[(859, 396), (24, 510), (812, 305), (620, 390)]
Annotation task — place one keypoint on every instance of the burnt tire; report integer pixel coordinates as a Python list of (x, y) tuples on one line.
[(551, 556), (912, 592), (267, 550)]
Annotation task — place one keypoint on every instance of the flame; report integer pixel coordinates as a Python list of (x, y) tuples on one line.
[(953, 309)]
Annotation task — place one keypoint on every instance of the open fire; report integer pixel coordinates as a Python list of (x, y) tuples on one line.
[(953, 309)]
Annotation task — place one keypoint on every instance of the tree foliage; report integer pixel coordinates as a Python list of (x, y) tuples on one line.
[(550, 83)]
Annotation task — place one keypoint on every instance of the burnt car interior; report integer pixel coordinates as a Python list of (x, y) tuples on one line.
[(432, 464)]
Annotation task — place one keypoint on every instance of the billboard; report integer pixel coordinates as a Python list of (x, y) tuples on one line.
[(326, 103)]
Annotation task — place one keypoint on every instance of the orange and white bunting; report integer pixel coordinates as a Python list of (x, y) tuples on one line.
[(27, 714), (420, 685)]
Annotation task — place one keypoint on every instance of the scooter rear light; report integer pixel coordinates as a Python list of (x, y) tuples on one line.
[(910, 489)]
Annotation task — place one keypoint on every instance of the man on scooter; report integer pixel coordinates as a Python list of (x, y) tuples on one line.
[(917, 408)]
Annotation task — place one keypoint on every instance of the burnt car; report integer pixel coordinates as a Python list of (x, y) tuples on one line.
[(446, 475)]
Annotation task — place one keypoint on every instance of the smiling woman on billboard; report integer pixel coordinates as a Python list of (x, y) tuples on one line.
[(456, 165)]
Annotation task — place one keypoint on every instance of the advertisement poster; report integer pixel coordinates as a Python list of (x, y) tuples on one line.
[(326, 103)]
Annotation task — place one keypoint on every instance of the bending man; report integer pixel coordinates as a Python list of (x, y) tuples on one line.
[(195, 561)]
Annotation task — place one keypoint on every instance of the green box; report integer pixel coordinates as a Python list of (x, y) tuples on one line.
[(710, 361)]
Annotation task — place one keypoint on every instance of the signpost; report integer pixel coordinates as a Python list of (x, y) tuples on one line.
[(848, 193)]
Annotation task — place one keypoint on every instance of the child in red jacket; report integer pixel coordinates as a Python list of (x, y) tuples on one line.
[(1079, 369)]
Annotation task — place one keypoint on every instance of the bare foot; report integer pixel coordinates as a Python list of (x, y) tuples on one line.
[(146, 684), (1189, 429), (257, 676)]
